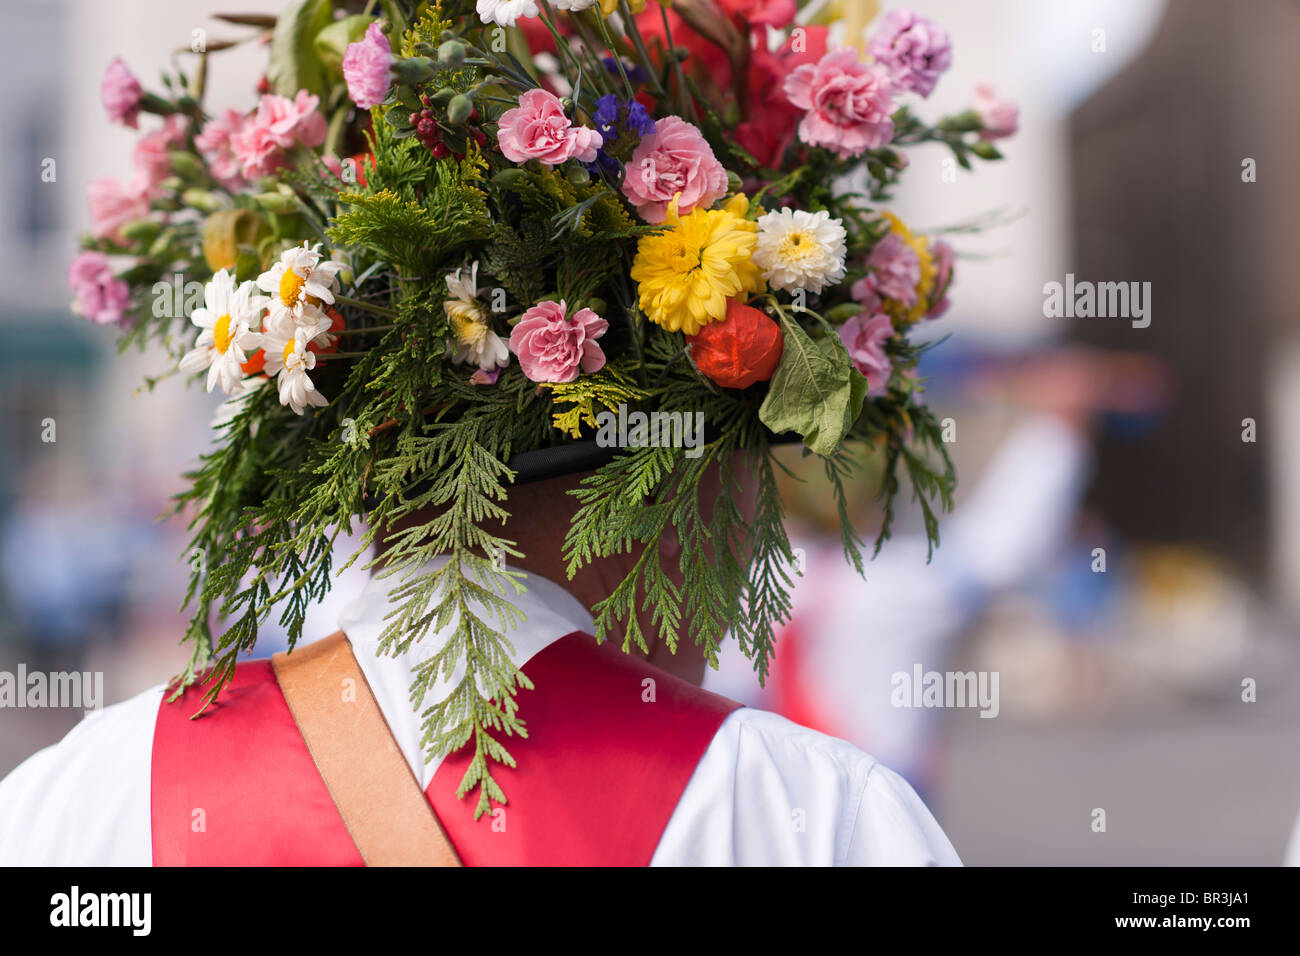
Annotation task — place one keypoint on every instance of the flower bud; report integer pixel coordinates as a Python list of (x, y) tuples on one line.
[(577, 175), (451, 54), (186, 164), (966, 122), (508, 177), (161, 248), (413, 70), (141, 230), (201, 199), (459, 108), (843, 312), (276, 202)]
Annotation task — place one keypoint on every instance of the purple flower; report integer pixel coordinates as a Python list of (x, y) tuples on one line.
[(915, 49), (366, 68), (120, 92), (865, 336), (612, 114), (98, 295), (635, 73)]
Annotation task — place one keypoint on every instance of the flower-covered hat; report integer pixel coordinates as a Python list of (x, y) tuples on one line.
[(446, 244)]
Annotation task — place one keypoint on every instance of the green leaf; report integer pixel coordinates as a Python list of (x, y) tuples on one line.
[(294, 64), (816, 392), (331, 42)]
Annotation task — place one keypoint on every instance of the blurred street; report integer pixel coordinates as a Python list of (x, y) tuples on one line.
[(1190, 786)]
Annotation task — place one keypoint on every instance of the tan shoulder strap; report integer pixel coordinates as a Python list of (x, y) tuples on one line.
[(379, 799)]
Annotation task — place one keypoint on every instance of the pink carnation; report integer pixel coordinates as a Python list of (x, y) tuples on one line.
[(538, 129), (915, 49), (277, 125), (895, 273), (98, 295), (214, 144), (943, 259), (366, 68), (848, 103), (120, 92), (113, 205), (1001, 118), (865, 336), (865, 294), (674, 160), (551, 347), (151, 150)]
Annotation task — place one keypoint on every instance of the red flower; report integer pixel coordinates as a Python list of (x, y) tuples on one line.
[(742, 349), (336, 325), (772, 117), (256, 362)]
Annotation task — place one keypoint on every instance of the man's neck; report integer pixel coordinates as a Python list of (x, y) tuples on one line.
[(541, 515)]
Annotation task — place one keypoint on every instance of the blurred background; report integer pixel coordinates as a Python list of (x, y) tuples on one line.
[(1124, 686)]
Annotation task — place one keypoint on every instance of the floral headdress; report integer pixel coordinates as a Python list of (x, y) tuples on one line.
[(449, 237)]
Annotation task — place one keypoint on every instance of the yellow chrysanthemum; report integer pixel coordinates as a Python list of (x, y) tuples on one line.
[(921, 246), (686, 274)]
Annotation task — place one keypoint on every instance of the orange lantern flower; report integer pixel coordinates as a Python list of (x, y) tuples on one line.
[(742, 349)]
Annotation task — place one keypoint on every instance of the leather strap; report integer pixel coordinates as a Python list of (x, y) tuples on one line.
[(368, 778)]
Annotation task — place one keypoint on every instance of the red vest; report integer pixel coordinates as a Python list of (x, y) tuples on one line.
[(597, 778)]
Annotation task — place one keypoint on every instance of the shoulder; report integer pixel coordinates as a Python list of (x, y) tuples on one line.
[(770, 792), (85, 800)]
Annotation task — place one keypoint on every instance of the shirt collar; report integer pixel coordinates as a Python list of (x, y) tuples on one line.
[(549, 613)]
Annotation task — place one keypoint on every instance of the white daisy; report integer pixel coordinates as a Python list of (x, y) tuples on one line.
[(505, 12), (800, 250), (474, 339), (299, 283), (573, 6), (227, 318), (289, 360)]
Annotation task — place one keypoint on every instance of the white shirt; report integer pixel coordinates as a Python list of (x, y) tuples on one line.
[(766, 792)]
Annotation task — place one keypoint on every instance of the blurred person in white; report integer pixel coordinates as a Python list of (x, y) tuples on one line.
[(847, 638)]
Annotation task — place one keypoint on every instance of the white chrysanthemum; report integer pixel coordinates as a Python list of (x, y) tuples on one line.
[(800, 250), (573, 6), (505, 12), (289, 360), (299, 283), (227, 319), (473, 341)]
